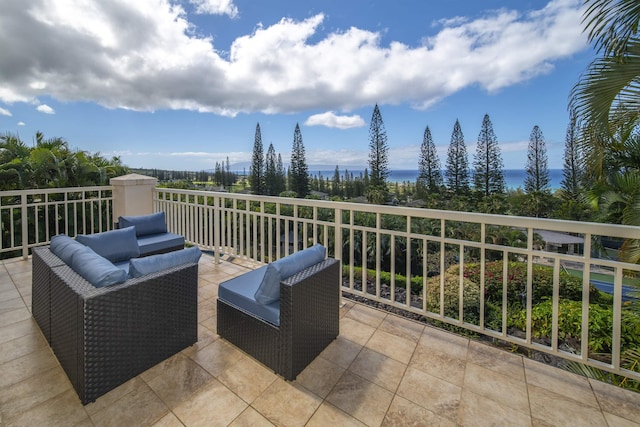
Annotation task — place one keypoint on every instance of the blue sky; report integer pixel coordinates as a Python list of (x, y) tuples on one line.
[(181, 84)]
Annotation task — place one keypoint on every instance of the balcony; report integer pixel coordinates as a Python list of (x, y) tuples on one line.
[(383, 369)]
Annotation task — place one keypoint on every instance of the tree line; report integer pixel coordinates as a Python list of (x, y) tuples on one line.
[(480, 187), (51, 163)]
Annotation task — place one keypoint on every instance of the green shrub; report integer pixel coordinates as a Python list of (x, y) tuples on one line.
[(570, 324), (570, 286), (451, 302), (385, 278)]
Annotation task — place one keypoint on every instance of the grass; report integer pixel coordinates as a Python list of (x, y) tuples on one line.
[(628, 281)]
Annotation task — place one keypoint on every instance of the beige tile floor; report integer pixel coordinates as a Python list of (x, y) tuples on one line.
[(382, 370)]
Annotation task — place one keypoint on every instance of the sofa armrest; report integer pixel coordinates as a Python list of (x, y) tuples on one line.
[(309, 313)]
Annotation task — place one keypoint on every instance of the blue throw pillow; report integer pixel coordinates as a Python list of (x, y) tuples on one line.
[(145, 224), (64, 247), (95, 269), (115, 245), (147, 265), (300, 260), (269, 289)]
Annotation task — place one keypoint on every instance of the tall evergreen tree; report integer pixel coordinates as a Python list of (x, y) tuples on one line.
[(574, 206), (335, 183), (572, 171), (271, 173), (430, 176), (256, 172), (488, 177), (282, 176), (457, 167), (299, 169), (537, 179), (378, 159)]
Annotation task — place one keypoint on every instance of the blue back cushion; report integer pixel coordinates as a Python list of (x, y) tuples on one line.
[(64, 247), (300, 260), (145, 224), (97, 270), (115, 245), (147, 265), (269, 290)]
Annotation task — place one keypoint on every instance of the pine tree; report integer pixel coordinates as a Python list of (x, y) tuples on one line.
[(299, 169), (335, 183), (572, 171), (488, 176), (271, 173), (457, 168), (537, 179), (378, 159), (430, 176), (256, 171), (281, 183)]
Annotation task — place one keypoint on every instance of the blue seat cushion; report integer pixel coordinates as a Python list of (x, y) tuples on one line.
[(159, 242), (269, 289), (97, 270), (114, 245), (147, 265), (145, 224), (64, 247), (240, 292)]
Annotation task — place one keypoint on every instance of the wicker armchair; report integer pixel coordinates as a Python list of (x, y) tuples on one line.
[(309, 321), (103, 337)]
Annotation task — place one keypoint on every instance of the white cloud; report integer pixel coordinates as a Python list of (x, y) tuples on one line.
[(146, 56), (332, 120), (5, 112), (215, 7), (44, 108), (22, 124)]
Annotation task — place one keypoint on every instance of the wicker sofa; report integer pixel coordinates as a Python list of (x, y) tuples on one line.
[(104, 336), (307, 316)]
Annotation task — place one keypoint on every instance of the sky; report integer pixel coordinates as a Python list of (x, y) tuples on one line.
[(181, 84)]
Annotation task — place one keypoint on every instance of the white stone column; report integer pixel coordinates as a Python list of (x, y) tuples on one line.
[(132, 195)]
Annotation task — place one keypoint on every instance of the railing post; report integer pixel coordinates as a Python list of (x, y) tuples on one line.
[(25, 226), (132, 195)]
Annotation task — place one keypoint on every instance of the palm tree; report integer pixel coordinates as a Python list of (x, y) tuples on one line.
[(608, 94)]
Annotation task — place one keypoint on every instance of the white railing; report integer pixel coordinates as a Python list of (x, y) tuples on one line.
[(30, 218), (438, 264)]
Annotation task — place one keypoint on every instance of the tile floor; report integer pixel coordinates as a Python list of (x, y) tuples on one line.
[(382, 370)]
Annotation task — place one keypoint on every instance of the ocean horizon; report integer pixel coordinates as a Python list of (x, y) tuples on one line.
[(514, 178)]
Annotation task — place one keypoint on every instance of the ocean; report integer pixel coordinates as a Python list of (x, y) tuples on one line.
[(514, 178)]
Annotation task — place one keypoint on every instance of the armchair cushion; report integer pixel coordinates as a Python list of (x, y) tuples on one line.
[(240, 292), (64, 247), (114, 245), (300, 260), (97, 270), (147, 265), (269, 289), (155, 243), (145, 224)]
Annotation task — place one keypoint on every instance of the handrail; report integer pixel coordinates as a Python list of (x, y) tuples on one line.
[(43, 213), (399, 244)]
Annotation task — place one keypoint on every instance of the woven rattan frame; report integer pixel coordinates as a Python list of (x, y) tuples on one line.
[(309, 321), (103, 337)]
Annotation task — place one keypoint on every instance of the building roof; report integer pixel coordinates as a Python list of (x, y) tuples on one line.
[(559, 238)]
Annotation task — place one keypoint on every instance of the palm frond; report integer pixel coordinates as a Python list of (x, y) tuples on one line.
[(608, 93), (610, 24)]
